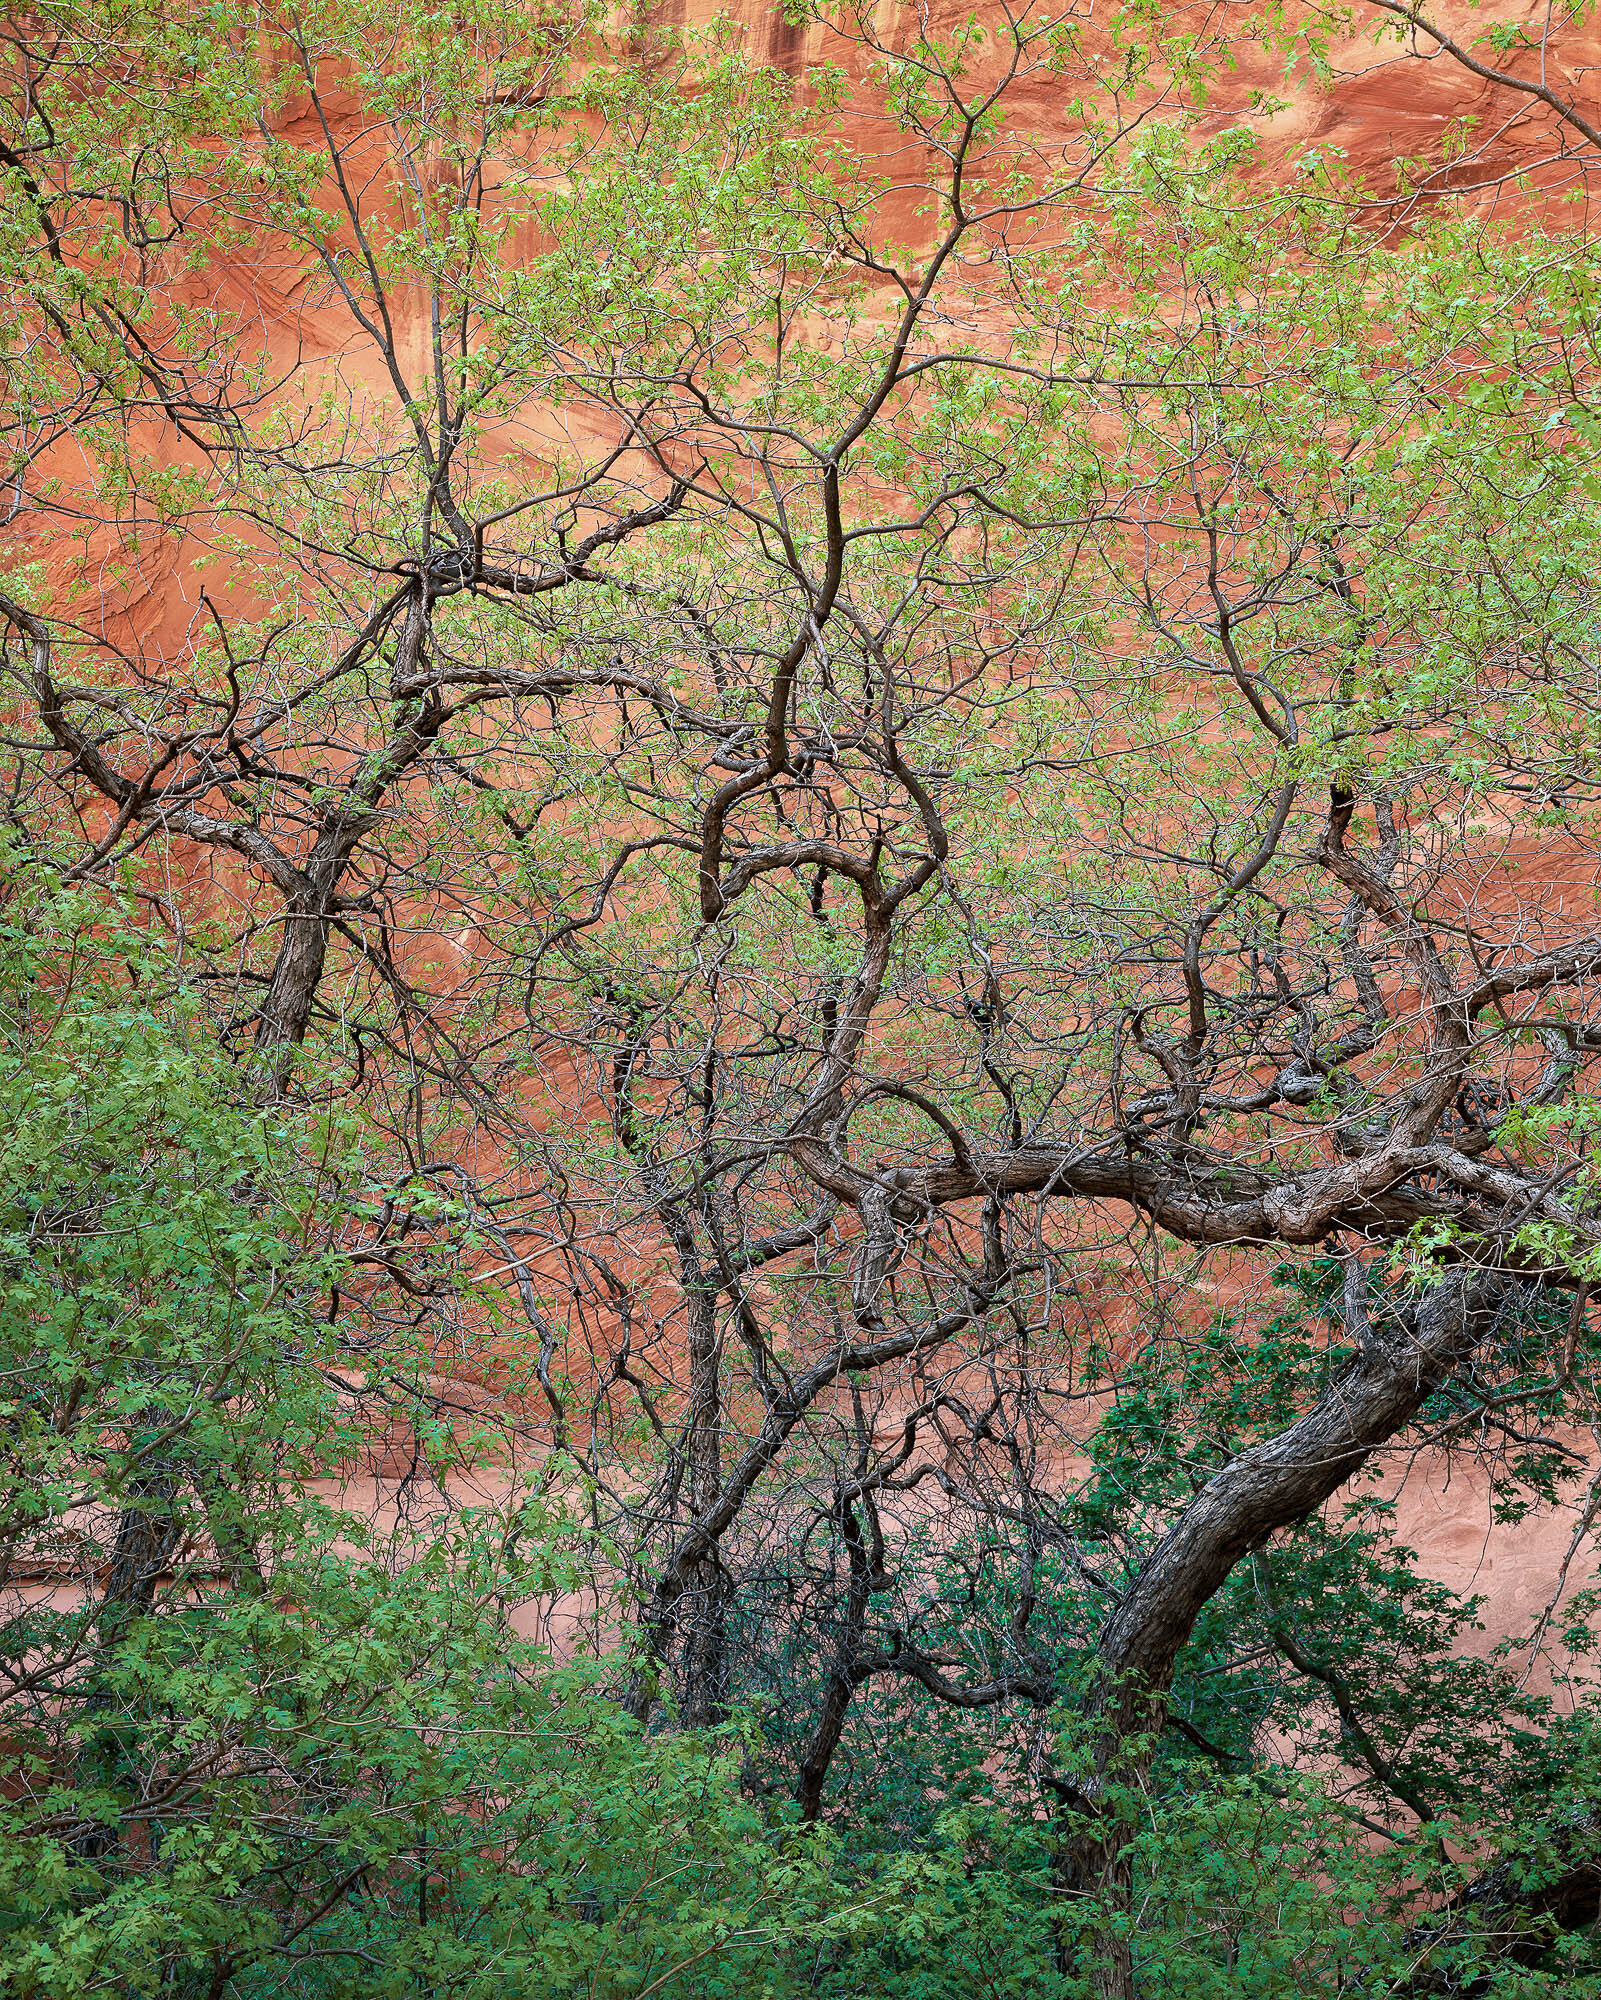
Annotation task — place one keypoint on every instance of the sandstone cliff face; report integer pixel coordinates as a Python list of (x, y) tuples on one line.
[(1392, 109), (1385, 110), (1385, 97)]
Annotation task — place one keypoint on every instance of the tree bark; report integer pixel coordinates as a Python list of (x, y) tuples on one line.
[(1512, 1914), (1262, 1490), (292, 987), (845, 1674), (703, 1609), (148, 1537)]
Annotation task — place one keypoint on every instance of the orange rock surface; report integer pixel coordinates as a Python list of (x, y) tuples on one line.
[(1381, 107)]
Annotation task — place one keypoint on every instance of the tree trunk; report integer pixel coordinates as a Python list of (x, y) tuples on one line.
[(1513, 1914), (1264, 1489), (292, 988), (843, 1677), (148, 1538), (703, 1609), (312, 901)]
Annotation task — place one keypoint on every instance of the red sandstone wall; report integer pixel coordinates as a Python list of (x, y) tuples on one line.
[(1378, 109)]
